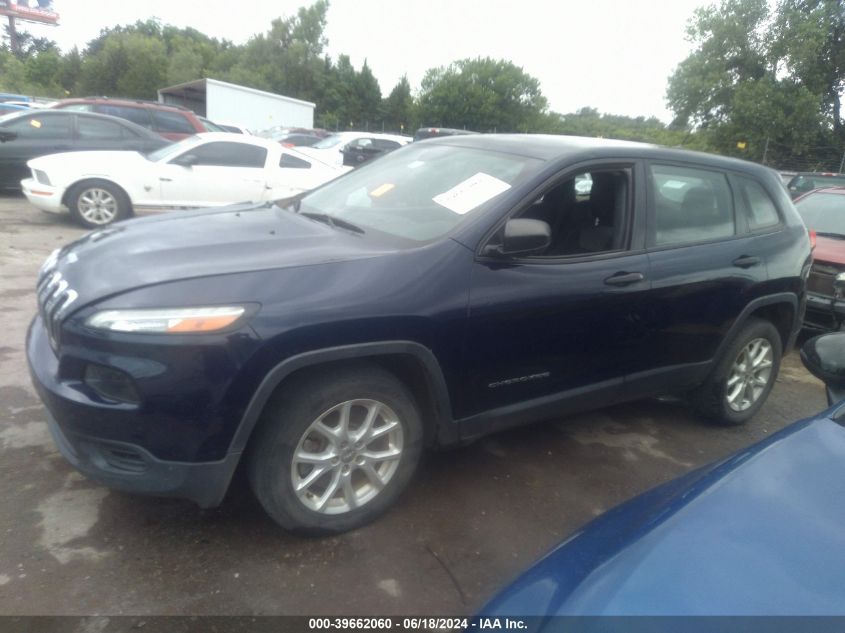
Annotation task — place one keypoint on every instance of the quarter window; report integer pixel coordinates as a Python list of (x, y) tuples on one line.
[(287, 160), (690, 205), (760, 210)]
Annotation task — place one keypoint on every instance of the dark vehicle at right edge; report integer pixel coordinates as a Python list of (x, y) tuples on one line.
[(451, 289)]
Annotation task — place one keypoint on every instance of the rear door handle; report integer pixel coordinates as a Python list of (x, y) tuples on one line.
[(624, 279), (746, 261)]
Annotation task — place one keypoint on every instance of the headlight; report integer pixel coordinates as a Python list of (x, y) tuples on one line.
[(41, 177), (175, 320)]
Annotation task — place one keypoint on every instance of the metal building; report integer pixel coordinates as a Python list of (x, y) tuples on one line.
[(238, 105)]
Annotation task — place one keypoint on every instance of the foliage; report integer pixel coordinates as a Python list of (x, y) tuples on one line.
[(481, 94), (763, 76)]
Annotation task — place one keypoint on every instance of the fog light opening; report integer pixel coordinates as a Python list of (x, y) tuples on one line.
[(111, 384)]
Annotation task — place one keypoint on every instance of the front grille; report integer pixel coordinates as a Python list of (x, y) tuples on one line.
[(54, 298), (821, 279)]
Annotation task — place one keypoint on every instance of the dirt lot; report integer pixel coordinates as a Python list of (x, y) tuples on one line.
[(471, 520)]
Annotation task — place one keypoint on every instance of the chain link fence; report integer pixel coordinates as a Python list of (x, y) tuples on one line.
[(821, 158)]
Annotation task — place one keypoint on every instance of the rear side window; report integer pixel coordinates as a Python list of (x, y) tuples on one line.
[(292, 161), (171, 122), (759, 208), (94, 129), (223, 154), (136, 115), (690, 205)]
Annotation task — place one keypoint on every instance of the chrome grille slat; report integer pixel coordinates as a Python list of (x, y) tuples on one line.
[(54, 298)]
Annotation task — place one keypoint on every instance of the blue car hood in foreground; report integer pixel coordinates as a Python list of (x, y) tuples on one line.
[(762, 533)]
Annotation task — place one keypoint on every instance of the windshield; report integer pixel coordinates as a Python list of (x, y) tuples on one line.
[(823, 212), (421, 192), (329, 142), (168, 151)]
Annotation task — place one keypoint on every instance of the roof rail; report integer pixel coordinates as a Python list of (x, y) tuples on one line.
[(131, 100)]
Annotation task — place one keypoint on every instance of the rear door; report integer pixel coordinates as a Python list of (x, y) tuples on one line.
[(705, 268)]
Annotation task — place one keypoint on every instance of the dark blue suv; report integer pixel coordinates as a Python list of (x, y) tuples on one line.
[(454, 288)]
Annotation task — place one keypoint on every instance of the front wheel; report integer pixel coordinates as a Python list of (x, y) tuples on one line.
[(335, 450), (744, 378), (96, 203)]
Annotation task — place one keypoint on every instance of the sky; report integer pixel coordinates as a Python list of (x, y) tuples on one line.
[(613, 55)]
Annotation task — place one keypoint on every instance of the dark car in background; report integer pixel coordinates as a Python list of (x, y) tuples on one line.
[(451, 289), (805, 182), (434, 132), (756, 534), (170, 121), (32, 133), (823, 211), (361, 150)]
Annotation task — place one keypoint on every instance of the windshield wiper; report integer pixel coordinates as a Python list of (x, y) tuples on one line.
[(836, 236), (332, 221)]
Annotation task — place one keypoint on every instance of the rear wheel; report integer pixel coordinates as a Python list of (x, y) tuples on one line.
[(335, 450), (744, 377), (96, 203)]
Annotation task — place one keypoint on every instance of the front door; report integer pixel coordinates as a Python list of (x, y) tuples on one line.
[(570, 320)]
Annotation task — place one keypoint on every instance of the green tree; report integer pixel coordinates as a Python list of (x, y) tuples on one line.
[(398, 108), (732, 89), (481, 94), (810, 39), (127, 65)]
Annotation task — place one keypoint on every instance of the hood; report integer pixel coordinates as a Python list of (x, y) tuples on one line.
[(98, 162), (758, 534), (829, 249), (184, 245)]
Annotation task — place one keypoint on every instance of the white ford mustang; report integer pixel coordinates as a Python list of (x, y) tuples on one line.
[(205, 170)]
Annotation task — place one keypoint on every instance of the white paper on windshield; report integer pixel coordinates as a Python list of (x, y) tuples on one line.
[(471, 193)]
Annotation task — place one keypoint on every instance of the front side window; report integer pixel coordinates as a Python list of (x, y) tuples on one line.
[(690, 205), (421, 192), (225, 154), (43, 127), (587, 212)]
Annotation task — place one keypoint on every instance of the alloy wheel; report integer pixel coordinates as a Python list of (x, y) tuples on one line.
[(749, 375)]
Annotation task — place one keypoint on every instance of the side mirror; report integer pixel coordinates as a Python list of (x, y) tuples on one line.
[(824, 357), (522, 236), (7, 135)]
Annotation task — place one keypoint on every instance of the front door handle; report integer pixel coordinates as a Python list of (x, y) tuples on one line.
[(746, 261), (162, 179), (624, 279)]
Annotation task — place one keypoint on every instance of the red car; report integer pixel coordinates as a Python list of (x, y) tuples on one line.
[(823, 211), (171, 122)]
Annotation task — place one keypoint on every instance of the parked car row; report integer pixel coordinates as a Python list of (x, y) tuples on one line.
[(205, 170)]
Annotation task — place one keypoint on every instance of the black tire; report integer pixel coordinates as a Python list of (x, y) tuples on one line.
[(285, 423), (710, 400), (83, 195)]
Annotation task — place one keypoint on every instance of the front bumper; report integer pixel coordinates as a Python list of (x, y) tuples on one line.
[(117, 464), (45, 197)]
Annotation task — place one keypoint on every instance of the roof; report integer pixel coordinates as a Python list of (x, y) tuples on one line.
[(200, 85), (551, 147)]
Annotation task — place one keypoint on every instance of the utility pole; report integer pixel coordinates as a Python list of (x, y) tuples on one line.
[(766, 150), (13, 36)]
